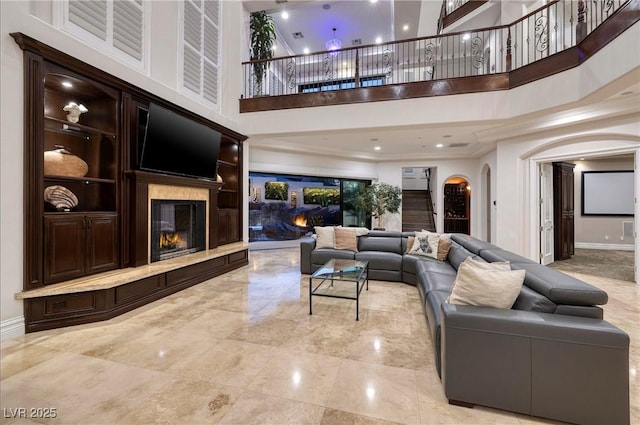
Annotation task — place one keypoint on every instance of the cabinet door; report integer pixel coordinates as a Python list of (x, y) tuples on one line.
[(234, 232), (223, 227), (64, 237), (102, 242)]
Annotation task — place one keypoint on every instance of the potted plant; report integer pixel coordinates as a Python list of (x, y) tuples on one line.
[(263, 35), (379, 199)]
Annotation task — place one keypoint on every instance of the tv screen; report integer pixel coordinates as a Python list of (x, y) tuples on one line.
[(175, 144)]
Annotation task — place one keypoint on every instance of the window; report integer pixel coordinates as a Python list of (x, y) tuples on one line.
[(341, 84), (117, 27), (200, 57)]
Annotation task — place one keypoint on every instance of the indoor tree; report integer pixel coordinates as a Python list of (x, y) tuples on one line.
[(263, 36), (379, 199)]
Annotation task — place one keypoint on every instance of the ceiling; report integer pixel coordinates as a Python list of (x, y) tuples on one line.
[(366, 20)]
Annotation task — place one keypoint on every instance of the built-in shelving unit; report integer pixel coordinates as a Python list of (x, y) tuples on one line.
[(94, 220)]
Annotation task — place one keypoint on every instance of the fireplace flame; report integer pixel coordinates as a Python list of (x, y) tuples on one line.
[(300, 220), (170, 240)]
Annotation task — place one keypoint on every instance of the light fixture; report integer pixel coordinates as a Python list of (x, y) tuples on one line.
[(373, 1), (274, 47), (284, 15), (466, 36), (306, 51), (439, 145), (405, 27), (67, 84), (333, 44), (377, 148), (378, 40)]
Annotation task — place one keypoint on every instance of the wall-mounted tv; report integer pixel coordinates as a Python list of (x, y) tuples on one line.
[(608, 193), (175, 144)]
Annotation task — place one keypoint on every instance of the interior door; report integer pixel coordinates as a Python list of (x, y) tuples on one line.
[(546, 213)]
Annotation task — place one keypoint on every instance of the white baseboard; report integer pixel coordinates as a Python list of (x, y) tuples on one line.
[(609, 246), (11, 328)]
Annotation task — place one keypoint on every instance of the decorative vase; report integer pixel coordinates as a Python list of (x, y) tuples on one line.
[(61, 162)]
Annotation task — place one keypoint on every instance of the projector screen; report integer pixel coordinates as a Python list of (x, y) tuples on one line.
[(607, 193)]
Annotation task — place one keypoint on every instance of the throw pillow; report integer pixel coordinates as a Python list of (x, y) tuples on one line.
[(360, 231), (425, 243), (326, 237), (410, 240), (346, 238), (480, 264), (485, 287), (444, 245)]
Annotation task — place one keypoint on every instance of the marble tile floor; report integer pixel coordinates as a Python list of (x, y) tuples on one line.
[(243, 349)]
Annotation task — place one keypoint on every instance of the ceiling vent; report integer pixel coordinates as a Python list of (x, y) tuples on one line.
[(298, 35), (281, 1), (356, 42), (458, 145)]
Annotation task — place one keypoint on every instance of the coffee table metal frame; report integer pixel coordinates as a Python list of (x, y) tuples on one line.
[(338, 270)]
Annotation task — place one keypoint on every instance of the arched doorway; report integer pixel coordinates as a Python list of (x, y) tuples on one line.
[(457, 205)]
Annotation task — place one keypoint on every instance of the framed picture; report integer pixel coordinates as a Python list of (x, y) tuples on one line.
[(276, 191), (321, 195)]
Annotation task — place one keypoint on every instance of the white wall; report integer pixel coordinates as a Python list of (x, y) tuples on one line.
[(162, 80), (591, 231)]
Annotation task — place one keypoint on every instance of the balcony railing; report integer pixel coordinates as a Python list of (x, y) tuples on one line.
[(556, 27)]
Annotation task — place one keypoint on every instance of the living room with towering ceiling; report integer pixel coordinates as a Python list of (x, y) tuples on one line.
[(483, 113)]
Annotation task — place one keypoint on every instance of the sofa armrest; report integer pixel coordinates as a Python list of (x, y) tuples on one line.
[(307, 245), (567, 368)]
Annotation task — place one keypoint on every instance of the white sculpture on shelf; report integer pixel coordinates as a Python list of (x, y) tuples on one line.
[(74, 110)]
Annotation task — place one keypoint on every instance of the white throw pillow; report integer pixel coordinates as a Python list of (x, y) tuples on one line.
[(480, 264), (486, 287), (425, 243), (326, 236)]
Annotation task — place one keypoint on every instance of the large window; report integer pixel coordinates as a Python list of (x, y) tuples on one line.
[(116, 27), (200, 64)]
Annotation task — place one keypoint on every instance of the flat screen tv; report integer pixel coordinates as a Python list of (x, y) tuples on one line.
[(175, 144)]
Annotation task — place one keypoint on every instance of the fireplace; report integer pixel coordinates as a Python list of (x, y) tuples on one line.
[(178, 227)]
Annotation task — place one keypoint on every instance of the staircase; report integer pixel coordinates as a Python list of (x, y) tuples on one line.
[(417, 211)]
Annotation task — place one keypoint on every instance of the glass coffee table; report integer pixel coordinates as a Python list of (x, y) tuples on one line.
[(339, 279)]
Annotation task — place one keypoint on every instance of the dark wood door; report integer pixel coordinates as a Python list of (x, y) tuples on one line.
[(234, 235), (63, 247), (563, 210), (101, 242)]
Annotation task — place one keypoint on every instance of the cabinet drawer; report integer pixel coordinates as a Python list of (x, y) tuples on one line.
[(139, 289), (238, 256), (73, 303), (195, 271)]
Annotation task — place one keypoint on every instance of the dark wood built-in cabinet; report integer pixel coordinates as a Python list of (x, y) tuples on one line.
[(563, 211), (103, 222)]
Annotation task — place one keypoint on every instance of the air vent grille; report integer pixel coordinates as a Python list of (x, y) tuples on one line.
[(298, 35), (356, 41), (281, 1), (458, 145)]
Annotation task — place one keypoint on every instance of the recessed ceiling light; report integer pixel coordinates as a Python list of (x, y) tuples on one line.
[(439, 145), (373, 1), (274, 47), (306, 51), (377, 148), (378, 40), (67, 84), (284, 15), (466, 36), (581, 159), (405, 27)]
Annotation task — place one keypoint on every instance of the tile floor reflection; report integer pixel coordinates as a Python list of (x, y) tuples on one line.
[(242, 349)]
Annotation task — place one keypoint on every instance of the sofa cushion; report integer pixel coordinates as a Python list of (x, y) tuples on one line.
[(325, 236), (559, 287), (345, 238), (374, 242), (458, 253), (472, 244), (322, 255), (427, 265), (530, 300), (381, 260), (432, 310), (499, 254), (483, 287)]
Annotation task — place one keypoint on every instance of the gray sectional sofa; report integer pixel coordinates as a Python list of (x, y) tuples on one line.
[(551, 355)]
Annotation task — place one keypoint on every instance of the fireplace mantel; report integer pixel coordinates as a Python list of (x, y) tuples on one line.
[(139, 214)]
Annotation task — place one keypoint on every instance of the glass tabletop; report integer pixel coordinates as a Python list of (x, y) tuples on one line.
[(343, 269)]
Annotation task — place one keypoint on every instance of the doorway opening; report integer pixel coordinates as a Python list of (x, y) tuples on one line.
[(457, 205)]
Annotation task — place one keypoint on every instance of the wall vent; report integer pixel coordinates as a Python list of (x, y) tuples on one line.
[(458, 145), (298, 35), (356, 42)]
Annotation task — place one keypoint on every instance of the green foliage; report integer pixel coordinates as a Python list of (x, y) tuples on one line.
[(321, 195), (263, 35), (379, 199), (276, 191)]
